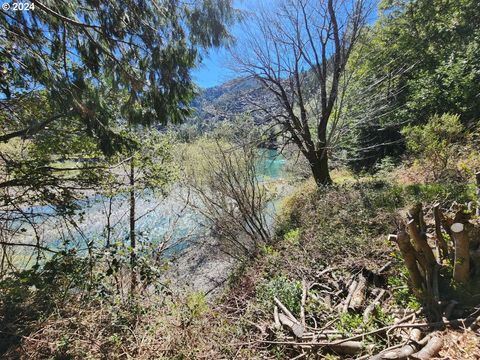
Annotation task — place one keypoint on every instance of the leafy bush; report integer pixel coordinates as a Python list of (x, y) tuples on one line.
[(292, 236), (289, 292), (436, 143)]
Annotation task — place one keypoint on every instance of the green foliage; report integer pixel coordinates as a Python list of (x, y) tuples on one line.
[(191, 308), (421, 58), (289, 292), (349, 323), (138, 53), (436, 143), (381, 316), (435, 192), (292, 236), (401, 293)]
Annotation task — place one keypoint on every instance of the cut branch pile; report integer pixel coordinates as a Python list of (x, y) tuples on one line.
[(353, 314), (428, 262), (318, 330)]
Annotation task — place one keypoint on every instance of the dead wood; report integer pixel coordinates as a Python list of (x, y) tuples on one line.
[(416, 214), (371, 307), (285, 310), (461, 268), (410, 258), (358, 296), (296, 328), (430, 350), (442, 244), (351, 290), (426, 257), (384, 268), (403, 352), (304, 300), (276, 318)]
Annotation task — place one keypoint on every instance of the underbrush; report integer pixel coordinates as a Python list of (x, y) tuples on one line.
[(52, 313), (343, 228)]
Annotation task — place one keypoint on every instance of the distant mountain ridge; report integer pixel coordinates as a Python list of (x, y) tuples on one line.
[(232, 98)]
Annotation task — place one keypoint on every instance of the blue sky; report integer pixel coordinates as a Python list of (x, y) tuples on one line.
[(214, 69)]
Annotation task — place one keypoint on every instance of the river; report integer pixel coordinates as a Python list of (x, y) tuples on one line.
[(164, 223)]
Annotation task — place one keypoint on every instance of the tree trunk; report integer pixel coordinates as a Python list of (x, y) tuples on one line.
[(477, 176), (461, 268), (410, 260), (320, 171), (133, 259)]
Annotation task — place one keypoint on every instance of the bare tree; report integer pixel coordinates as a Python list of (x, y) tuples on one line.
[(298, 50), (227, 192)]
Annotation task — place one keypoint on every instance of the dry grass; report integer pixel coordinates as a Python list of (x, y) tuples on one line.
[(180, 329), (460, 345)]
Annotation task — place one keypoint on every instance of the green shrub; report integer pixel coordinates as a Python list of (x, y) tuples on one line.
[(401, 293), (436, 143), (292, 236), (287, 291)]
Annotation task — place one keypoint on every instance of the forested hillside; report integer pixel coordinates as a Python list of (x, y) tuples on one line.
[(324, 203)]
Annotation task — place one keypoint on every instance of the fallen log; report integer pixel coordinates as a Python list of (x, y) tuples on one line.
[(297, 329), (371, 307), (351, 290), (358, 296), (403, 352), (430, 350)]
